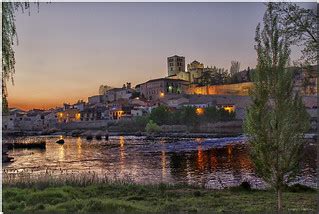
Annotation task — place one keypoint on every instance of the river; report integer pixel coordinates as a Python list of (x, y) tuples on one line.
[(212, 163)]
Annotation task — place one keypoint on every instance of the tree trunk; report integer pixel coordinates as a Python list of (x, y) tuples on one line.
[(279, 200)]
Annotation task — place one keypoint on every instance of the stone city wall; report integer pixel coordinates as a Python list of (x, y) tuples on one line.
[(240, 89)]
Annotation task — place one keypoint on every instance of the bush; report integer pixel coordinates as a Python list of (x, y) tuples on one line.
[(136, 124), (152, 127), (161, 115), (189, 116)]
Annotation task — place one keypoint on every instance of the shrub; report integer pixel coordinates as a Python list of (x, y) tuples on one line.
[(161, 115), (152, 127), (129, 125)]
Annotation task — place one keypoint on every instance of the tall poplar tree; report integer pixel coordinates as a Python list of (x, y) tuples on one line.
[(277, 119)]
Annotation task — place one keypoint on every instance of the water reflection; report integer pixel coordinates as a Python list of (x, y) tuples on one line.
[(142, 160), (213, 161), (229, 152), (79, 147), (200, 158), (61, 153), (122, 154), (163, 159)]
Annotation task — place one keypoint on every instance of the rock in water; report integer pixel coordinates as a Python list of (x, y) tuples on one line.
[(98, 135), (61, 141)]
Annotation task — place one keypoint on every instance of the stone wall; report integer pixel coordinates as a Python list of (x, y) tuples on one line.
[(240, 89), (226, 127), (174, 128), (98, 124)]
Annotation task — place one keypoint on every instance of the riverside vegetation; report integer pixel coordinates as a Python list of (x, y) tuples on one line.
[(90, 193), (163, 115)]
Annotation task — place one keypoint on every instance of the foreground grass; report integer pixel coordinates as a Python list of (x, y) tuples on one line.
[(133, 198)]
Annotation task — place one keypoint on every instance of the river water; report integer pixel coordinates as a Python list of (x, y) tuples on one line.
[(213, 163)]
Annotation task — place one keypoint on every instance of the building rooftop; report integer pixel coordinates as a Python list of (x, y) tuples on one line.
[(168, 79), (175, 56)]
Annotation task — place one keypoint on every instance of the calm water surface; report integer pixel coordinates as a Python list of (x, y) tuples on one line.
[(213, 163)]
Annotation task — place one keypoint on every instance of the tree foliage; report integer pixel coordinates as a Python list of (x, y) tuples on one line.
[(234, 68), (187, 115), (300, 27), (214, 76), (9, 39), (277, 119), (160, 115), (152, 127)]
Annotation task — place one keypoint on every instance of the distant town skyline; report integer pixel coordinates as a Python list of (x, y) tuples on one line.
[(67, 50)]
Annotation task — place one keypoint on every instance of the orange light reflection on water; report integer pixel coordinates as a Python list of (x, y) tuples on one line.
[(200, 158), (61, 153), (163, 160), (79, 147), (122, 154), (229, 152)]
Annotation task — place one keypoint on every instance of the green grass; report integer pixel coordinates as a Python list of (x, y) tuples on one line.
[(134, 198)]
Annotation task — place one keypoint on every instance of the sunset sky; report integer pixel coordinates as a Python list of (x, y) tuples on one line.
[(67, 50)]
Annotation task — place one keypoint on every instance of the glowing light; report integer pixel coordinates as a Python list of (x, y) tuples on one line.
[(162, 94), (229, 108), (119, 114), (122, 141), (199, 111), (77, 116)]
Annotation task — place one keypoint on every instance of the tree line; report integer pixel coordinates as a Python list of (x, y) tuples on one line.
[(220, 76), (190, 116)]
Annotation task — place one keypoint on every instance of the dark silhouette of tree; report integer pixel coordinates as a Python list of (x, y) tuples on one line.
[(234, 68)]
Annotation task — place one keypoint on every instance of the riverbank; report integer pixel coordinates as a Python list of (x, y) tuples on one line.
[(134, 198), (310, 138), (137, 134)]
